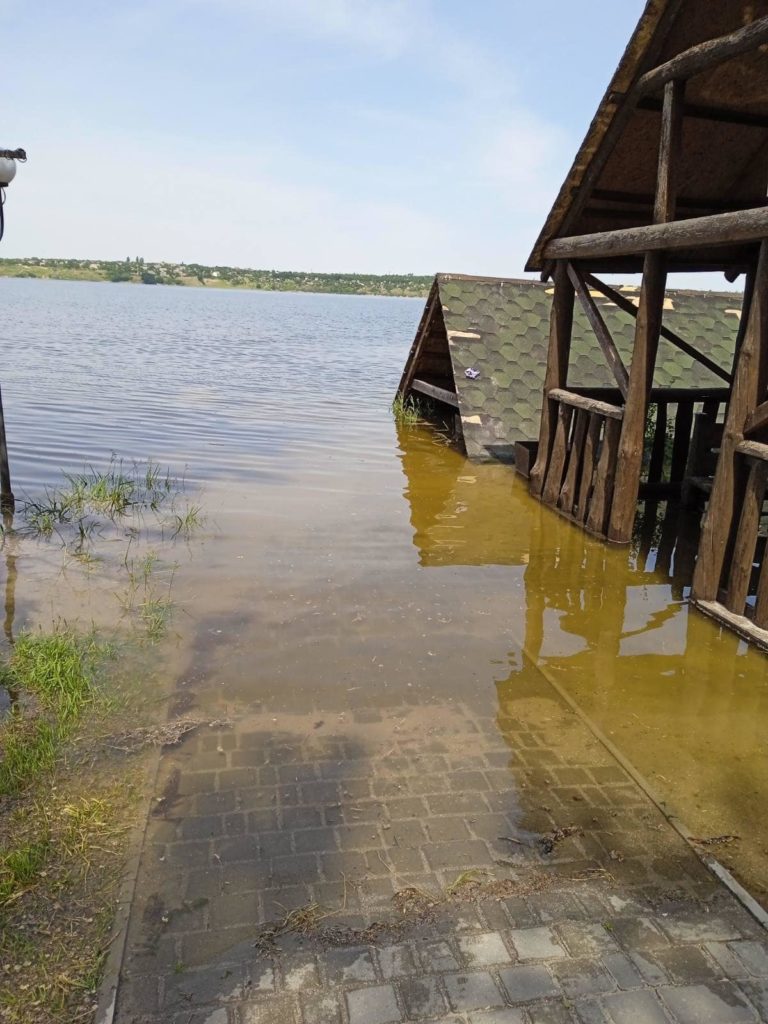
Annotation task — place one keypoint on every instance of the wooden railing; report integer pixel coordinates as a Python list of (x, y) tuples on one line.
[(579, 471), (581, 467)]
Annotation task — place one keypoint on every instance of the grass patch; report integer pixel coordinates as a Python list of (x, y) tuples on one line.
[(53, 673), (407, 410), (91, 501)]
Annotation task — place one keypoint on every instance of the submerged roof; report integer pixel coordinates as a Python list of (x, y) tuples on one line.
[(500, 329), (612, 181)]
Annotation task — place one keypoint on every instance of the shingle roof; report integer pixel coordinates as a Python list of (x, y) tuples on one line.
[(500, 328)]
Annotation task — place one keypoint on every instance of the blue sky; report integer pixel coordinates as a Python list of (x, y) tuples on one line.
[(370, 135)]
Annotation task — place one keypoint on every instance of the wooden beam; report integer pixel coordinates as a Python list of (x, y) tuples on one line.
[(717, 229), (704, 56), (556, 375), (670, 145), (591, 446), (629, 307), (757, 420), (605, 476), (746, 538), (567, 497), (753, 450), (630, 460), (611, 353), (612, 412), (698, 111), (558, 457), (647, 199), (433, 391), (722, 506), (659, 446)]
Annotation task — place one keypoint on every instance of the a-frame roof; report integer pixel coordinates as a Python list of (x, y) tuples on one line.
[(498, 329), (724, 158)]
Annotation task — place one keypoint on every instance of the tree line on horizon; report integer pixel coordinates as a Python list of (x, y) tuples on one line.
[(138, 271)]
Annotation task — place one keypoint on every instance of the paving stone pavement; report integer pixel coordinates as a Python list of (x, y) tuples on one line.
[(375, 867)]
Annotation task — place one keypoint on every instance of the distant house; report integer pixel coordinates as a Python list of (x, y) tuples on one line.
[(481, 350)]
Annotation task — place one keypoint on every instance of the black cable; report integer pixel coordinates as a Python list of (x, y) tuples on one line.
[(2, 213)]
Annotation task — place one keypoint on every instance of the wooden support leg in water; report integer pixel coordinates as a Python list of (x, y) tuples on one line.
[(556, 376), (630, 460), (748, 389), (7, 500)]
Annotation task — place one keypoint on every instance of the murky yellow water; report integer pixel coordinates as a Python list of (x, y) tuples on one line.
[(342, 557)]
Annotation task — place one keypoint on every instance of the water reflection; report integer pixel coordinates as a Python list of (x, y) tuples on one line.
[(9, 697), (684, 700)]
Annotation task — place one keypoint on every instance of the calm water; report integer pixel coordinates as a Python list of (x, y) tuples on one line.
[(341, 554)]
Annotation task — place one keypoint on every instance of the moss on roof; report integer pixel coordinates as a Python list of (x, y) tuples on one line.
[(500, 328)]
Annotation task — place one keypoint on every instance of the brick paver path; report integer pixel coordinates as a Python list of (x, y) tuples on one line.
[(377, 867)]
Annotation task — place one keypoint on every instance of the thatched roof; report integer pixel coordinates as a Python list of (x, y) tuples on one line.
[(724, 157), (499, 329)]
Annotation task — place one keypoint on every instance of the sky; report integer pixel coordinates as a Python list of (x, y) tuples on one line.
[(405, 136)]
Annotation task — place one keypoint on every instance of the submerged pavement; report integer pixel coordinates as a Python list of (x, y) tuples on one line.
[(425, 863)]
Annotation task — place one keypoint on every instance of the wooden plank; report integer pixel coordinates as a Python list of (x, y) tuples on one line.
[(556, 375), (669, 152), (716, 229), (567, 497), (704, 56), (422, 333), (757, 420), (612, 412), (658, 448), (441, 394), (647, 199), (740, 624), (556, 467), (591, 446), (718, 519), (682, 441), (602, 496), (606, 342), (746, 537), (703, 112), (629, 307), (753, 449), (647, 330)]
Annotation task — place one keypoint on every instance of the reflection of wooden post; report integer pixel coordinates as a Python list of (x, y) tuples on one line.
[(6, 494)]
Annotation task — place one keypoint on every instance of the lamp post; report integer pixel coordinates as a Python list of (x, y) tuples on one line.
[(8, 160)]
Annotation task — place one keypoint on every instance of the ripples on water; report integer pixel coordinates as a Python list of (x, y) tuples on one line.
[(348, 555), (201, 377)]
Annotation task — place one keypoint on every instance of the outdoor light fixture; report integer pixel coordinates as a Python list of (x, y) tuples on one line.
[(8, 159)]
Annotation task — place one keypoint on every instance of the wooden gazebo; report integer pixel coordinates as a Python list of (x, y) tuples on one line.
[(671, 177)]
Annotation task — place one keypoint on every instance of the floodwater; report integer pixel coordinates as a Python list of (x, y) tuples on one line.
[(347, 563)]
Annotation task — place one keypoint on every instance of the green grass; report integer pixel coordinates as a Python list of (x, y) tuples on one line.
[(407, 410), (54, 675), (20, 867)]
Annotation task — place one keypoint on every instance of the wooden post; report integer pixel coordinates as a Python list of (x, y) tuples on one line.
[(648, 323), (746, 537), (745, 394), (556, 376), (630, 460), (7, 500), (658, 448)]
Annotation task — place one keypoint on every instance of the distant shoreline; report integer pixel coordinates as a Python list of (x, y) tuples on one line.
[(195, 275)]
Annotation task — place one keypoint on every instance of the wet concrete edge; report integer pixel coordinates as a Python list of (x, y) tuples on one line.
[(110, 982)]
